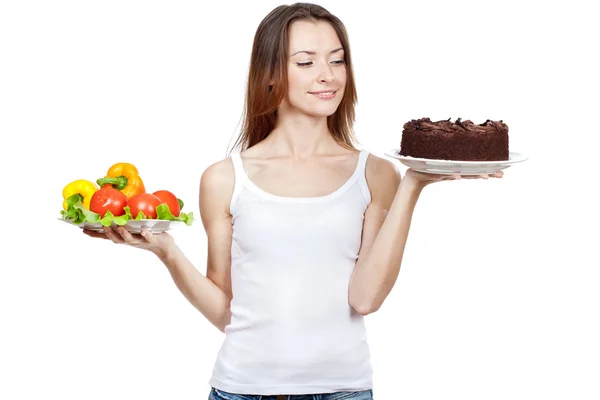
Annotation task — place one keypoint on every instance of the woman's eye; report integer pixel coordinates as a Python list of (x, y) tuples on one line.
[(309, 63)]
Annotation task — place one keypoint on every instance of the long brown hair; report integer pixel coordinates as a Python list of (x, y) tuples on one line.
[(268, 64)]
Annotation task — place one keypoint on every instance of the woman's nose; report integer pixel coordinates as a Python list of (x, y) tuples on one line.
[(326, 75)]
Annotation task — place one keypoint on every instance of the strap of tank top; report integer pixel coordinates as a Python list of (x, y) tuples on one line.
[(239, 176), (361, 169), (238, 165)]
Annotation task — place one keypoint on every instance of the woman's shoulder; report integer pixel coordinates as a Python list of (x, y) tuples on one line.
[(218, 177), (381, 166), (381, 173), (219, 169)]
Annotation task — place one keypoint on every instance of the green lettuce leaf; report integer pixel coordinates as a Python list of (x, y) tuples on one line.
[(76, 211), (109, 218), (140, 216), (78, 214), (163, 212)]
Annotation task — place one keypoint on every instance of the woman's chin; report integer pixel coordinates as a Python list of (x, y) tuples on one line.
[(322, 111), (317, 111)]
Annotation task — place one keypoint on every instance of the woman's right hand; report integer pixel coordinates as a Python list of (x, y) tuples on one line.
[(158, 244)]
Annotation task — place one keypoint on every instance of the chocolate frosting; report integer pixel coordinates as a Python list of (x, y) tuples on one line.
[(425, 124)]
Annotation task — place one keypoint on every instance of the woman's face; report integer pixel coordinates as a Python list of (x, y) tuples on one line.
[(316, 69)]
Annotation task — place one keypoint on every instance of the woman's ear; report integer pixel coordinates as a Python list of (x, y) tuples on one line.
[(271, 84)]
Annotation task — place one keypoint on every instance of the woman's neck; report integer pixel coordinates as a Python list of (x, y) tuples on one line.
[(300, 137)]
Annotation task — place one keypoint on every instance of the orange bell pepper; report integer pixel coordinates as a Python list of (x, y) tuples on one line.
[(125, 178)]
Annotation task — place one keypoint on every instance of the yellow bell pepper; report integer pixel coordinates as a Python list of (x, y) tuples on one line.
[(125, 178), (82, 187)]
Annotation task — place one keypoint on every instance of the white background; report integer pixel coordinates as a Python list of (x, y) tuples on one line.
[(498, 293)]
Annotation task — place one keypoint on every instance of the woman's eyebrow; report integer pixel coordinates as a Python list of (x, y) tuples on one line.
[(313, 52)]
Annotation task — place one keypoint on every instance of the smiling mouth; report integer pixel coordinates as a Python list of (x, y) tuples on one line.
[(324, 94)]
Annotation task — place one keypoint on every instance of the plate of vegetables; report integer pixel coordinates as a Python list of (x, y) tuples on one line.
[(120, 199)]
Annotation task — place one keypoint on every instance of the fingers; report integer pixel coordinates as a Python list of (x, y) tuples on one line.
[(94, 234), (458, 176), (107, 233), (146, 234), (113, 235), (128, 238), (125, 235), (498, 174), (120, 235)]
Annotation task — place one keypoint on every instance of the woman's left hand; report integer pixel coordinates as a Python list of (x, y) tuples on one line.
[(424, 179)]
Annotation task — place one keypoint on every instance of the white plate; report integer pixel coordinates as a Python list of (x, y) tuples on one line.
[(133, 226), (448, 167)]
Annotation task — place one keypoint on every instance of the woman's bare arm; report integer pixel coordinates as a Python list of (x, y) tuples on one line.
[(210, 294)]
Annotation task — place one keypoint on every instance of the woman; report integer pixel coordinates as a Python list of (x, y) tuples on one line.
[(305, 232)]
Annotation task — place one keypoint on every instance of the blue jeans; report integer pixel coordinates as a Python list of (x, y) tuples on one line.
[(216, 394)]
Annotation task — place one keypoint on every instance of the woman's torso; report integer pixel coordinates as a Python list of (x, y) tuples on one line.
[(292, 329)]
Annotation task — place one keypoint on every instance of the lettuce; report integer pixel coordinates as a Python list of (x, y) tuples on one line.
[(163, 212), (76, 211), (78, 214), (109, 218)]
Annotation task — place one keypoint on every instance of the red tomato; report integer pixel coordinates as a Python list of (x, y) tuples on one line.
[(108, 199), (170, 200), (144, 202)]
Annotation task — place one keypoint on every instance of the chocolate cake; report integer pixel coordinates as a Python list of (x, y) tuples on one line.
[(459, 140)]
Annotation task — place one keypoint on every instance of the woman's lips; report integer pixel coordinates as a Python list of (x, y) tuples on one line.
[(324, 94)]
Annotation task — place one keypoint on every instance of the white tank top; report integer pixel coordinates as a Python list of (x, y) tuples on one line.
[(292, 330)]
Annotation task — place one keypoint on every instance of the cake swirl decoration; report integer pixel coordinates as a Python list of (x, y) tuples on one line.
[(425, 124)]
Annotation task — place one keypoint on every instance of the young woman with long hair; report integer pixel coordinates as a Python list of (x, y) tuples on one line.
[(305, 232)]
